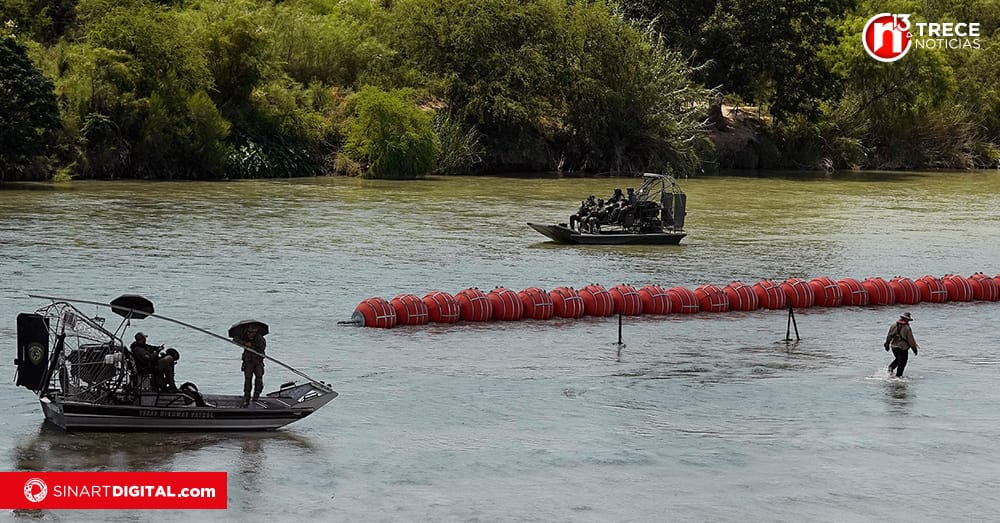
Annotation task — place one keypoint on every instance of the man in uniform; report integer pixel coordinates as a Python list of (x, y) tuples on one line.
[(253, 364), (149, 360)]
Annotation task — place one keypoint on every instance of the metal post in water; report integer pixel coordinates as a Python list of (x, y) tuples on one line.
[(791, 323), (620, 344)]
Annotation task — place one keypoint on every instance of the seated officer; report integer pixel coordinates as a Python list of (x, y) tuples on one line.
[(148, 360)]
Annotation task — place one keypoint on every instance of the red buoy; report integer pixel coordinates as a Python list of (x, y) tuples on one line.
[(654, 300), (931, 289), (826, 292), (711, 298), (984, 287), (410, 310), (957, 287), (879, 291), (375, 312), (473, 305), (798, 292), (441, 307), (596, 301), (506, 304), (854, 292), (537, 303), (682, 300), (626, 300), (905, 290), (566, 302), (741, 297), (770, 295)]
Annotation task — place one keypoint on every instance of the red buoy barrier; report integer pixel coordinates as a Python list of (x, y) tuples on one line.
[(410, 310), (770, 295), (826, 292), (626, 300), (741, 297), (905, 290), (711, 298), (566, 302), (375, 312), (799, 293), (957, 287), (984, 287), (506, 304), (931, 289), (473, 305), (879, 291), (682, 300), (854, 292), (596, 301), (654, 300), (537, 303), (441, 307)]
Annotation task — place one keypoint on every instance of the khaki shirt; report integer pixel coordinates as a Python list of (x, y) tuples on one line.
[(905, 339)]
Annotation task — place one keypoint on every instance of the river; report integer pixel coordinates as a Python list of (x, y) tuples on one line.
[(709, 417)]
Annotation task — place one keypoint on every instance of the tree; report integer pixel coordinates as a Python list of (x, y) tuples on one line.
[(392, 135), (29, 116), (764, 51)]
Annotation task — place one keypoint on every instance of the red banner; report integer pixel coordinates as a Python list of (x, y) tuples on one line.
[(113, 490)]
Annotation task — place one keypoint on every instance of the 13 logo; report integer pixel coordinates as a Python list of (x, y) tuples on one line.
[(887, 36)]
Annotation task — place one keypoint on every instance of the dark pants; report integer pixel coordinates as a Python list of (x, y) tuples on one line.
[(252, 369), (899, 363)]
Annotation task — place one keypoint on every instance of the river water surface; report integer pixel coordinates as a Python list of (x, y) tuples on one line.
[(699, 418)]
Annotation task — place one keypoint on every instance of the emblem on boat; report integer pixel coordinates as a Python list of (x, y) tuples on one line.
[(36, 353)]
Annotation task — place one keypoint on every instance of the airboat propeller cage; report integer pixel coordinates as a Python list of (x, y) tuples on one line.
[(663, 190), (132, 306)]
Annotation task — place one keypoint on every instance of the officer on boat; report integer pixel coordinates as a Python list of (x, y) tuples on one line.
[(156, 362)]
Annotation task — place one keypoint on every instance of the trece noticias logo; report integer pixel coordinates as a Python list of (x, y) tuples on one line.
[(887, 37)]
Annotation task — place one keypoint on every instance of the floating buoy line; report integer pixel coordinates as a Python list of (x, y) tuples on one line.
[(503, 304)]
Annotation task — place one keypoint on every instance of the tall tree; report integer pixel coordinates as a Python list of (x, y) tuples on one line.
[(29, 116)]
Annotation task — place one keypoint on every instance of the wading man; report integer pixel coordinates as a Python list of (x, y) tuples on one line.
[(900, 340)]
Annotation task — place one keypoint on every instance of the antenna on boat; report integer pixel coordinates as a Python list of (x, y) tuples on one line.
[(144, 312)]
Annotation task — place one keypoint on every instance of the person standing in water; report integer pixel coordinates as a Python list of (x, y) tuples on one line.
[(900, 340)]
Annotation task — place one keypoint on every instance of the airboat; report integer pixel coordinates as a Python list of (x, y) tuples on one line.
[(86, 378), (655, 217)]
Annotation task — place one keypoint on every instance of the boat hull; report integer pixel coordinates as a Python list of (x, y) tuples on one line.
[(562, 234), (220, 413)]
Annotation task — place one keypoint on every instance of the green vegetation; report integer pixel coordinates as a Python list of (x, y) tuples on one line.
[(211, 89), (28, 114)]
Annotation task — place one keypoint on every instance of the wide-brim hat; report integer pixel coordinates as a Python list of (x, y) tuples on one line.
[(906, 316)]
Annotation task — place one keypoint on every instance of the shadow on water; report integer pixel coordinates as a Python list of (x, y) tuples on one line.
[(898, 396), (52, 449)]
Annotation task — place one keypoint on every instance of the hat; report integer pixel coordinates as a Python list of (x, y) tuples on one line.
[(906, 316), (140, 335)]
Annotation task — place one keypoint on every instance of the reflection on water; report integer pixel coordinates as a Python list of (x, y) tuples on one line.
[(50, 448), (898, 395)]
